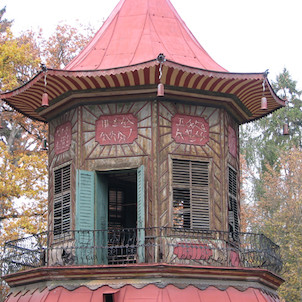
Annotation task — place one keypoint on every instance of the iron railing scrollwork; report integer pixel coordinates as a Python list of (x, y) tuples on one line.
[(161, 245)]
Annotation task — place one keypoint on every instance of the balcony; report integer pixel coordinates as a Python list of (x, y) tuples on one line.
[(150, 245)]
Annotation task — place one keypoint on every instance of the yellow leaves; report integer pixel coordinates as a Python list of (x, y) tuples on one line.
[(20, 174), (20, 57), (24, 176), (16, 53)]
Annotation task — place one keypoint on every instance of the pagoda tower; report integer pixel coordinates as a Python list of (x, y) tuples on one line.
[(143, 148)]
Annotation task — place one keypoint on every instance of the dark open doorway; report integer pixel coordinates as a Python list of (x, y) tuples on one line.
[(122, 199), (117, 213)]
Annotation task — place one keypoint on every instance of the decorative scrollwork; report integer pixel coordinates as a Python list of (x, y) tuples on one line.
[(162, 245)]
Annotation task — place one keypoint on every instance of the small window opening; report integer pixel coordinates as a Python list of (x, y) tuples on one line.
[(108, 298)]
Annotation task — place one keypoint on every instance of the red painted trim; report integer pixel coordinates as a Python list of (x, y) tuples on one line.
[(147, 75), (95, 82), (136, 78), (187, 80), (126, 79), (198, 79), (105, 81), (115, 80), (178, 77)]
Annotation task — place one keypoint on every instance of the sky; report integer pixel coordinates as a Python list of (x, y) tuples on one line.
[(241, 36)]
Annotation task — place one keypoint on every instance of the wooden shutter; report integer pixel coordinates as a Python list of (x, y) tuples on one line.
[(233, 204), (85, 217), (181, 194), (101, 219), (141, 214), (62, 201), (191, 194), (200, 195)]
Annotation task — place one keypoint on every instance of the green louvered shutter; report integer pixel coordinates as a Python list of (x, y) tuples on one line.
[(85, 217), (101, 219), (141, 214)]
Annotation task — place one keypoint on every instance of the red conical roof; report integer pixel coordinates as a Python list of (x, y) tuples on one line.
[(138, 31), (123, 55)]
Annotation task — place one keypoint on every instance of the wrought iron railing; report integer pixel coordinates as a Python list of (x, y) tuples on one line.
[(150, 245)]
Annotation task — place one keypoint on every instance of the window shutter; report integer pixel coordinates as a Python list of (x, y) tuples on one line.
[(191, 194), (141, 214), (101, 219), (62, 201), (85, 217), (233, 204), (200, 195)]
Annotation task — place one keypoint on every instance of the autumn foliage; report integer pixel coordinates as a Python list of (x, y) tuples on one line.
[(275, 208), (278, 214), (23, 158)]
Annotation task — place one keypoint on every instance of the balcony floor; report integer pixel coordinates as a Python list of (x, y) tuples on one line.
[(162, 278)]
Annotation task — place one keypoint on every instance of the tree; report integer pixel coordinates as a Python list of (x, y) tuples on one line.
[(23, 162), (278, 214), (262, 142), (65, 44), (273, 165), (4, 23), (23, 184), (19, 59)]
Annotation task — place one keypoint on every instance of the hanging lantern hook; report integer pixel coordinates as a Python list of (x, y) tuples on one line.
[(160, 88), (44, 69), (265, 77), (45, 81), (45, 101), (161, 59), (263, 99)]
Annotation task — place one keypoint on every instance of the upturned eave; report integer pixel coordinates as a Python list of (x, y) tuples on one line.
[(246, 88)]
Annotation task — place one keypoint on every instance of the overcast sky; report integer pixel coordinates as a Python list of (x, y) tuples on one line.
[(242, 36)]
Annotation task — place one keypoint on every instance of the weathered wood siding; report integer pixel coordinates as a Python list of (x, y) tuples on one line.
[(154, 148), (212, 151), (62, 159), (93, 156)]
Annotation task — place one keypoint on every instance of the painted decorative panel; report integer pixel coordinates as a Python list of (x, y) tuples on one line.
[(188, 129), (116, 129), (62, 138)]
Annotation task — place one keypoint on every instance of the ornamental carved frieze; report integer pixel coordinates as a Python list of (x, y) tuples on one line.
[(62, 138), (189, 129), (116, 129), (232, 138)]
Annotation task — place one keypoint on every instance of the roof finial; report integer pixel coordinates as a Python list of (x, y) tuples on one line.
[(160, 88)]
